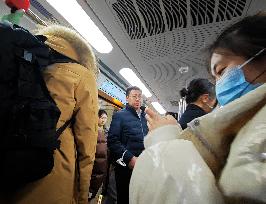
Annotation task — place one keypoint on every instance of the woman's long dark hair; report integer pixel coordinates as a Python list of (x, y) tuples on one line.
[(244, 38), (196, 88)]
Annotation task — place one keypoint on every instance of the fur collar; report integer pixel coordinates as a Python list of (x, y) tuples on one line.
[(67, 41)]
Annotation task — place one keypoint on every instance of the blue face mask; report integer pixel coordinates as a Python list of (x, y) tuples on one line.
[(233, 85)]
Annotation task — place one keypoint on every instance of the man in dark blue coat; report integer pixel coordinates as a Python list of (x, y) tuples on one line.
[(125, 141)]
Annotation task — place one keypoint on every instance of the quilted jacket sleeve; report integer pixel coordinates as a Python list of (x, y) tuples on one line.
[(244, 177), (171, 170), (114, 140)]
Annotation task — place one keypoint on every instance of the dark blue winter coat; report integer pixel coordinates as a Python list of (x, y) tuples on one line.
[(126, 134), (192, 111)]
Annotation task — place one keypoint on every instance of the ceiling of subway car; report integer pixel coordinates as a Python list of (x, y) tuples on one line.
[(166, 40), (163, 41)]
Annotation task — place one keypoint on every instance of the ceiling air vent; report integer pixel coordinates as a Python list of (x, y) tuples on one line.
[(128, 16), (229, 9), (143, 18), (174, 103)]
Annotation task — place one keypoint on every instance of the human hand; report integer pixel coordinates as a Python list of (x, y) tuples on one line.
[(155, 120), (132, 162)]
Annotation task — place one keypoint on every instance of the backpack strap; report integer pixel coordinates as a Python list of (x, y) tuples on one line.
[(56, 57), (52, 58), (39, 76), (60, 130)]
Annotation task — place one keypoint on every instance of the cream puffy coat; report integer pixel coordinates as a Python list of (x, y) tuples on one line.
[(219, 158), (73, 87)]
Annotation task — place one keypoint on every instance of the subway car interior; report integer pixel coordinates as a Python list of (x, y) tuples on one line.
[(180, 112)]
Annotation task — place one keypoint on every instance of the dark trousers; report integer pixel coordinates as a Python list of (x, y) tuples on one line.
[(122, 178), (111, 197)]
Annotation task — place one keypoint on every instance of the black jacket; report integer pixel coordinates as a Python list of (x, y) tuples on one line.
[(192, 111), (126, 134)]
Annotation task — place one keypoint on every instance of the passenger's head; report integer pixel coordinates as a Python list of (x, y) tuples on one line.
[(239, 52), (200, 92), (102, 117), (134, 97)]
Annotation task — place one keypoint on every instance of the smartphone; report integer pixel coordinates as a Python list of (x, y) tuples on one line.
[(142, 108)]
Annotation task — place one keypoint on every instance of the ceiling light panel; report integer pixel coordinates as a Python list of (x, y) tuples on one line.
[(78, 18), (132, 78)]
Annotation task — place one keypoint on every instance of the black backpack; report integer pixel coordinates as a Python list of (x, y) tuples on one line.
[(28, 114)]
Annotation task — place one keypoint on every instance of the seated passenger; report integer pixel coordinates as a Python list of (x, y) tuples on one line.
[(220, 157), (200, 97)]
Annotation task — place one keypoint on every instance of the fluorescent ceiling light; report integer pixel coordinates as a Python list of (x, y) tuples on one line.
[(158, 107), (132, 78), (78, 18)]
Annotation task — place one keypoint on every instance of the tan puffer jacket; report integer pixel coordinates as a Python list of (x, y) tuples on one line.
[(73, 87)]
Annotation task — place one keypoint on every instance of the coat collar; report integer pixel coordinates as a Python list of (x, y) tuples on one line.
[(220, 127), (68, 42), (132, 110), (192, 106)]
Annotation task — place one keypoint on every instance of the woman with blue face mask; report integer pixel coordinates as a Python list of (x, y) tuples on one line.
[(238, 62), (220, 157)]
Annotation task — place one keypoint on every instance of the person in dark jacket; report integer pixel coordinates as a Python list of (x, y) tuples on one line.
[(100, 166), (200, 97), (125, 141)]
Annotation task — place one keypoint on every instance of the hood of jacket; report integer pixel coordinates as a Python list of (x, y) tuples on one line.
[(68, 42)]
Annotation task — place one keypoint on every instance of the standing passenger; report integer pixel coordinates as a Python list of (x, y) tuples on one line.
[(200, 97), (73, 88), (222, 154), (125, 141), (100, 164)]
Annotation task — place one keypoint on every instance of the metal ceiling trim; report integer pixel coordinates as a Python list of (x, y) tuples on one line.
[(43, 11), (35, 18)]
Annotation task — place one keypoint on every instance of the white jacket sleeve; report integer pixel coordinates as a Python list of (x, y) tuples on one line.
[(244, 176), (171, 171)]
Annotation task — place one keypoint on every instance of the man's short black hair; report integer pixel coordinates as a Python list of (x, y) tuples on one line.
[(129, 89)]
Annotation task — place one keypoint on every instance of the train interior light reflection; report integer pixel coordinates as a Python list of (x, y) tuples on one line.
[(132, 78)]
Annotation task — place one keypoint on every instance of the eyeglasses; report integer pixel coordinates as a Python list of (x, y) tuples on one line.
[(136, 97)]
